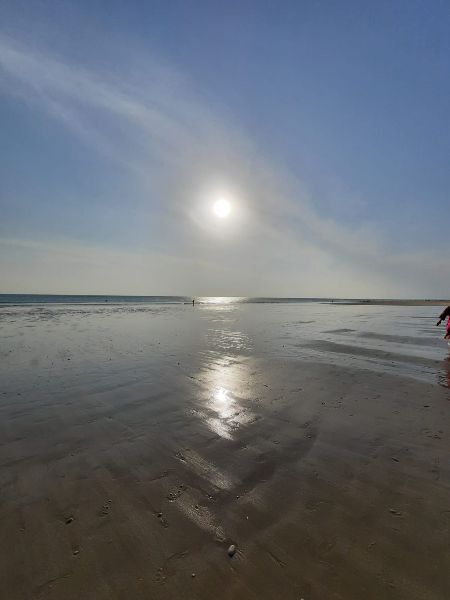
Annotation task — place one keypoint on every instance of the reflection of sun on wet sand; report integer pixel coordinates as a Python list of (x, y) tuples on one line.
[(133, 479)]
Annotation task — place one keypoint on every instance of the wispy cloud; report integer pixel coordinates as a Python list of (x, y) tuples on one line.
[(178, 148)]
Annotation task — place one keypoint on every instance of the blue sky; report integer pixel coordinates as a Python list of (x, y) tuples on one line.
[(325, 123)]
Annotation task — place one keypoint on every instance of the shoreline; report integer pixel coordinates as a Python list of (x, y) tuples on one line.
[(30, 300), (390, 302)]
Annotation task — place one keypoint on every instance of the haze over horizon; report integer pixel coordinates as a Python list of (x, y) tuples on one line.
[(203, 149)]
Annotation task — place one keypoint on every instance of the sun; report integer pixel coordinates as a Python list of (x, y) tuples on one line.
[(221, 208)]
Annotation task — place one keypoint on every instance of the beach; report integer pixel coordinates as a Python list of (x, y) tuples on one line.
[(140, 442)]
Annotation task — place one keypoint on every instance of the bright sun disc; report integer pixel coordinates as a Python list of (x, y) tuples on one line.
[(222, 208)]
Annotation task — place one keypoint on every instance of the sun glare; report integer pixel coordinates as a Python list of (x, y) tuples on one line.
[(222, 208)]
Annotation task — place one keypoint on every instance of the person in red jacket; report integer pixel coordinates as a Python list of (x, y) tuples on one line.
[(444, 314)]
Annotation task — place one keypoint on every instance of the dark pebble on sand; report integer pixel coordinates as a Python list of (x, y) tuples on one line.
[(231, 550), (69, 520)]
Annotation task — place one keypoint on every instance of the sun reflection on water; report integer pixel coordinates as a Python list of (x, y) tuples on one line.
[(217, 300), (225, 409), (222, 403)]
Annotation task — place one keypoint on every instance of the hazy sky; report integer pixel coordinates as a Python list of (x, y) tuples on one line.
[(326, 125)]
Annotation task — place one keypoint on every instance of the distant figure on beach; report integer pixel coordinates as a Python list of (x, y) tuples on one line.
[(193, 301), (444, 314)]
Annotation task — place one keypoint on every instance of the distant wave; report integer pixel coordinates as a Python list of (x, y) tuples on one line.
[(14, 299), (18, 299)]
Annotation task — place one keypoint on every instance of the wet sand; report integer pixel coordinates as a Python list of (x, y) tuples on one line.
[(332, 482)]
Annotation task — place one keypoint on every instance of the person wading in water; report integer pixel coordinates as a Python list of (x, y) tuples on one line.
[(444, 314)]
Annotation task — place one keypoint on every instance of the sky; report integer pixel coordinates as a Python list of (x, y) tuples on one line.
[(325, 125)]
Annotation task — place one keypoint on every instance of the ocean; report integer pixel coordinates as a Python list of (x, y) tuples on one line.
[(13, 299)]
